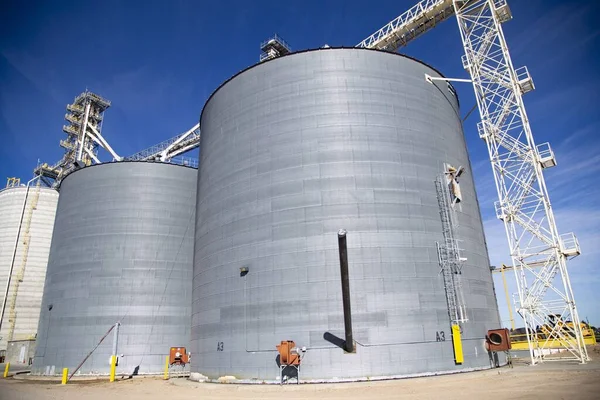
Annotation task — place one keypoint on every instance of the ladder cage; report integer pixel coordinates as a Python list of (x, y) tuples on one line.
[(449, 256)]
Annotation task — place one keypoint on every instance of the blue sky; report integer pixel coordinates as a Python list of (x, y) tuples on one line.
[(158, 61)]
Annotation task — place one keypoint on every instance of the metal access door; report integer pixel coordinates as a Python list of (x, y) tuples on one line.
[(22, 354)]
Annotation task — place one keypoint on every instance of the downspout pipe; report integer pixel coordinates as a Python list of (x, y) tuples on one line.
[(343, 250)]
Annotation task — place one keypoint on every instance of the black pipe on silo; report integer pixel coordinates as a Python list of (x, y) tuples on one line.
[(343, 249)]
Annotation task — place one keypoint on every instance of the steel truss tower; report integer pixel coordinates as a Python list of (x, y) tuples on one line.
[(84, 119), (538, 252)]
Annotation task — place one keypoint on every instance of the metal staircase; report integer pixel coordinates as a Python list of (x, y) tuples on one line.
[(12, 313)]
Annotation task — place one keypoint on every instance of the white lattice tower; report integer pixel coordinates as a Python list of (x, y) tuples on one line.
[(539, 254)]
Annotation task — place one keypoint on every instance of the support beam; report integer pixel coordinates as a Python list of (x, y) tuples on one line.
[(430, 79), (98, 138), (92, 155)]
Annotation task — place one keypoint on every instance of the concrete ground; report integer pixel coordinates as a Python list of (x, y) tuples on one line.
[(547, 381)]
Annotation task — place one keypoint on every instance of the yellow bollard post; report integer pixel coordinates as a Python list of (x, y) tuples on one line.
[(113, 367), (166, 368), (510, 314), (6, 369), (65, 376)]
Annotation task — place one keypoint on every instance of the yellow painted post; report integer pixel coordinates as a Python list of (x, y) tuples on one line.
[(6, 369), (113, 367), (65, 376), (457, 342), (510, 314), (166, 368)]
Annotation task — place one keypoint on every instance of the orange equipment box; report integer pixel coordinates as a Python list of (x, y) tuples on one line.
[(286, 355), (178, 355)]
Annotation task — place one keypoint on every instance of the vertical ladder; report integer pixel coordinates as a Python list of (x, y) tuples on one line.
[(12, 315), (449, 254)]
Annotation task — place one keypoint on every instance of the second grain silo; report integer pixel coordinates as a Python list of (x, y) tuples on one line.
[(121, 252), (26, 223), (295, 148)]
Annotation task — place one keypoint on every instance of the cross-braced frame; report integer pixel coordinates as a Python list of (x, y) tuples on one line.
[(538, 253)]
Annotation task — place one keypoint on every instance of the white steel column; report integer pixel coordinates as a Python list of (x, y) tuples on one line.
[(83, 132)]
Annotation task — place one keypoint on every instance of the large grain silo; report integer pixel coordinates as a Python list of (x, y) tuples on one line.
[(121, 252), (295, 148), (26, 221)]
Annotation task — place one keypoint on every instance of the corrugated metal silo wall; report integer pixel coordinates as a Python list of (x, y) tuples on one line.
[(121, 251), (31, 260), (293, 150)]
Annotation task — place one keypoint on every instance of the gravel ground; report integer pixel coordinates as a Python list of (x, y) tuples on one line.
[(547, 381)]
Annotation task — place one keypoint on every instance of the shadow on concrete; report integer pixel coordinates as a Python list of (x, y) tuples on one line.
[(135, 372), (336, 341), (289, 371)]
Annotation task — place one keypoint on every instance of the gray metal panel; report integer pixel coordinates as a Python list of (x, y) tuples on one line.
[(121, 251), (294, 149), (29, 295)]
